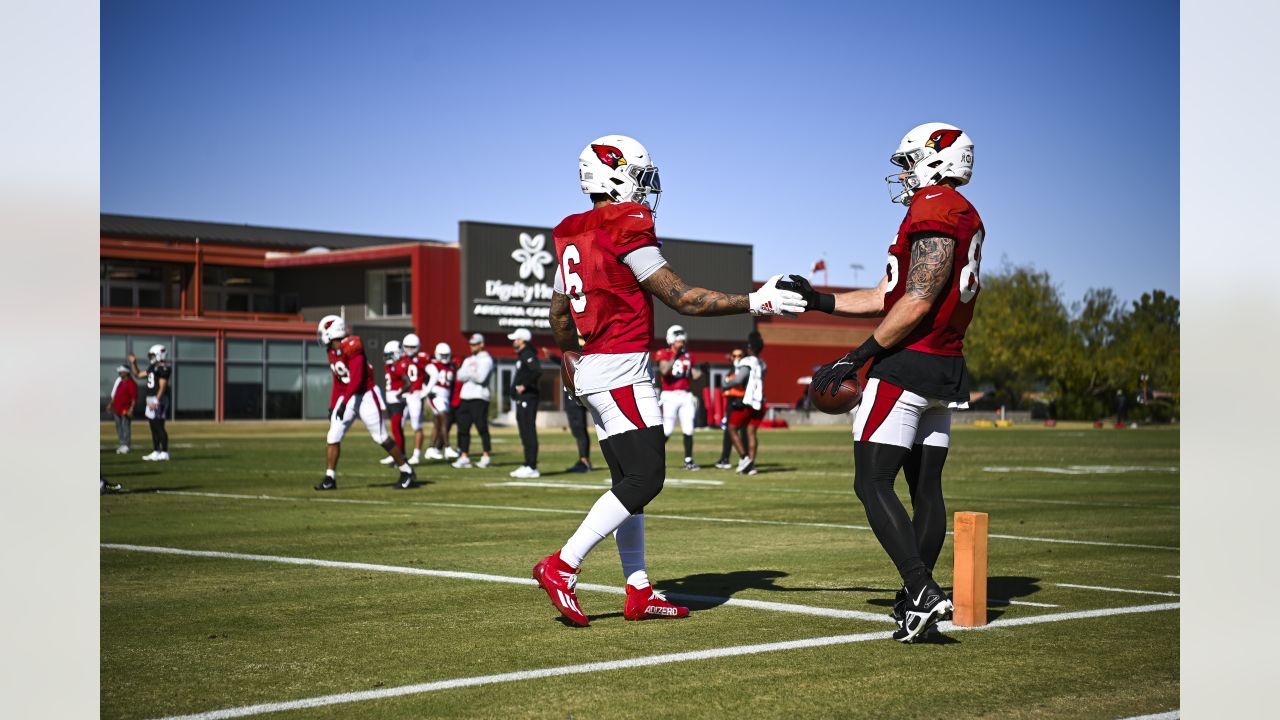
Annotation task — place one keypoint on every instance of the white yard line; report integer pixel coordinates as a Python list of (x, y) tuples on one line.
[(1082, 503), (656, 516), (1116, 590), (485, 577), (647, 661), (1171, 715)]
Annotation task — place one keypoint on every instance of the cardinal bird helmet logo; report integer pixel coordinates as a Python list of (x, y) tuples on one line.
[(942, 139), (609, 155)]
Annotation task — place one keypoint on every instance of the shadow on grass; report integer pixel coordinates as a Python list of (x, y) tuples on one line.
[(765, 469), (708, 590)]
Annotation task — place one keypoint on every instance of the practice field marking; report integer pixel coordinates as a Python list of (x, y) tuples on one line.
[(603, 484), (1082, 469), (1116, 590), (1171, 715), (646, 661), (656, 516), (1083, 503), (486, 577)]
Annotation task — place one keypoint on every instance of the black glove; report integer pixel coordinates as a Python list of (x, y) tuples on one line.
[(822, 302), (830, 376)]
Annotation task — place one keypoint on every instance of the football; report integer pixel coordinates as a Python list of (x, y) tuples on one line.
[(568, 366), (846, 398)]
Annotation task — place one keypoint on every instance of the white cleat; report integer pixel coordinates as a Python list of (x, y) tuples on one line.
[(484, 462), (450, 453), (433, 454), (153, 455), (122, 450), (533, 473), (744, 464), (162, 457), (520, 472), (388, 460), (462, 462), (415, 459)]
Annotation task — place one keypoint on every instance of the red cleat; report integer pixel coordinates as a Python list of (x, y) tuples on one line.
[(558, 579), (649, 604)]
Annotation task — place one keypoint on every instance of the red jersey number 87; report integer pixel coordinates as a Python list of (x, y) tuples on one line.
[(572, 280)]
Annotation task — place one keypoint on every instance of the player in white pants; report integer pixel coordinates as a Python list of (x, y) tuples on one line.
[(675, 370)]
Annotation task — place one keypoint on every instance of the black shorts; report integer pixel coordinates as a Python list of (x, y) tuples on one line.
[(940, 377)]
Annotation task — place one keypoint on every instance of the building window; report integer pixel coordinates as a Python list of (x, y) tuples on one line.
[(388, 294), (193, 378)]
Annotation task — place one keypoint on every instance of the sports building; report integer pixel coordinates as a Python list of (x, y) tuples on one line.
[(237, 306)]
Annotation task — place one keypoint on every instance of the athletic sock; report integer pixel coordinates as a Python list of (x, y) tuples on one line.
[(605, 516), (406, 468), (688, 448), (331, 474), (630, 539), (638, 579)]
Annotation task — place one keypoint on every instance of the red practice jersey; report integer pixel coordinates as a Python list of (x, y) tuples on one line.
[(352, 373), (677, 378), (612, 310), (442, 375), (940, 209), (417, 370), (396, 372)]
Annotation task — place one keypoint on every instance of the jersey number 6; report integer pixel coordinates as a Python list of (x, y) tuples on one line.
[(572, 280)]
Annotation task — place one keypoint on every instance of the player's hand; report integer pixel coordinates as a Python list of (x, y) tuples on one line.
[(133, 359), (830, 376), (800, 285), (772, 300)]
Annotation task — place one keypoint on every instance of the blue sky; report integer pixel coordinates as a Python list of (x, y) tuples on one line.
[(772, 125)]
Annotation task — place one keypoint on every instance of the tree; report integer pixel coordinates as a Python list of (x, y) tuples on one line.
[(1019, 339)]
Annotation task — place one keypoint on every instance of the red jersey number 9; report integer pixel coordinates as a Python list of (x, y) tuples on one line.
[(341, 372), (572, 280)]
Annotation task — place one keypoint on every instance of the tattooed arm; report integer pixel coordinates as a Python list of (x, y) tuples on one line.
[(562, 323), (932, 256), (677, 295)]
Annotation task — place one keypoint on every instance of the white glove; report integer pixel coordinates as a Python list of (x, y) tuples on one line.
[(770, 300)]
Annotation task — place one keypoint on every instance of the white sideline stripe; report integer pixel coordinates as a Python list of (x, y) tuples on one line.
[(1082, 469), (484, 577), (603, 484), (658, 516), (648, 661), (1028, 603), (1084, 503), (1117, 590), (1171, 715)]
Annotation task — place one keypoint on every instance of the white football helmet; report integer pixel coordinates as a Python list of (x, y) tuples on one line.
[(930, 154), (676, 333), (157, 353), (411, 344), (620, 167), (443, 352), (391, 351), (331, 328)]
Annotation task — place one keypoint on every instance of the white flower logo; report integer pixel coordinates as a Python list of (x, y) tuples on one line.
[(532, 258)]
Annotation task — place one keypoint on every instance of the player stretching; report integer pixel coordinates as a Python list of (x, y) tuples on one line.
[(675, 368), (439, 388), (354, 393), (917, 373), (397, 380), (610, 267)]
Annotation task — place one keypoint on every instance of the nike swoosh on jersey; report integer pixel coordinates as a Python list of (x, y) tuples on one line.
[(639, 215), (930, 197)]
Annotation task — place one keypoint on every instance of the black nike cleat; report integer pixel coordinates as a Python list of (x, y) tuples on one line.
[(580, 467), (922, 612), (328, 484), (407, 481)]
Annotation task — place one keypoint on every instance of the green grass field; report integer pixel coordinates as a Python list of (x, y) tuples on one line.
[(187, 634)]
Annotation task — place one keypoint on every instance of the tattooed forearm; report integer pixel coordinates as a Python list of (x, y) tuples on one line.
[(686, 300), (931, 258), (562, 327)]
